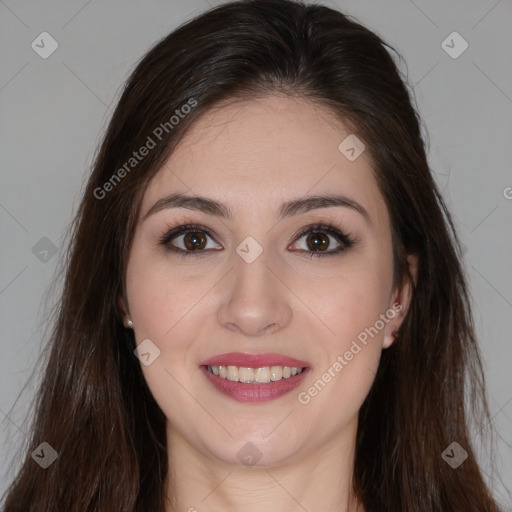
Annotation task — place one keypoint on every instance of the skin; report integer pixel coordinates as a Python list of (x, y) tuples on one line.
[(252, 156)]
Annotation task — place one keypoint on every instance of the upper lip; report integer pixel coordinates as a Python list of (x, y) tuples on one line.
[(253, 360)]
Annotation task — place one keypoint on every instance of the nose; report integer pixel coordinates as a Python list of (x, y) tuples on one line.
[(254, 300)]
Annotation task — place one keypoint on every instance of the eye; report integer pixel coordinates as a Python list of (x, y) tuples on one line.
[(318, 240), (193, 240)]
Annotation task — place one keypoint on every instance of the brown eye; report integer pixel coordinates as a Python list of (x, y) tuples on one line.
[(188, 240), (317, 238), (317, 241), (194, 240)]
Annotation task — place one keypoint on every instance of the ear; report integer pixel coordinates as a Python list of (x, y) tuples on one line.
[(400, 301), (124, 311)]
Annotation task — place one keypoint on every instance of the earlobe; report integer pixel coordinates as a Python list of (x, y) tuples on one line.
[(389, 339)]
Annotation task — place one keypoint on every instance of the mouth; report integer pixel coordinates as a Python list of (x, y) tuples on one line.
[(253, 377)]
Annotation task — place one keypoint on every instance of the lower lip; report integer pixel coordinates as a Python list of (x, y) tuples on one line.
[(243, 392)]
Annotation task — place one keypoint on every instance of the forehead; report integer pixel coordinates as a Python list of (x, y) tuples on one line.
[(254, 154)]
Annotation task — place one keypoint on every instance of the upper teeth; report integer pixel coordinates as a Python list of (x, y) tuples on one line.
[(252, 375)]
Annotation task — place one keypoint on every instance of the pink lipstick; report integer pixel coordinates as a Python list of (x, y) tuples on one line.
[(254, 377)]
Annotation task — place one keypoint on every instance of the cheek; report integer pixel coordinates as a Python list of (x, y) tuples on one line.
[(353, 309), (158, 298), (149, 298), (347, 298), (166, 307), (350, 357), (163, 311)]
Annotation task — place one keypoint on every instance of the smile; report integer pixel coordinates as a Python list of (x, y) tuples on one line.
[(254, 377)]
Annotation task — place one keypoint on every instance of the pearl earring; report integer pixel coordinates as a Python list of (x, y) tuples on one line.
[(130, 324)]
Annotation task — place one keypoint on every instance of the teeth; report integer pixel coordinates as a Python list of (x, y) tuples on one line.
[(261, 375), (245, 374), (276, 373), (232, 373)]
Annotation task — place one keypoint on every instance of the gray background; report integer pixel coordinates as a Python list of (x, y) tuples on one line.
[(54, 112)]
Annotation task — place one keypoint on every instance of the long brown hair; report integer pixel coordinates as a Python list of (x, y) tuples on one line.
[(94, 407)]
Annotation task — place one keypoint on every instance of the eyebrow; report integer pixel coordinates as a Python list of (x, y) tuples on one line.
[(288, 209)]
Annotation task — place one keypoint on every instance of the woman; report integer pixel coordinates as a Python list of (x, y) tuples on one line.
[(264, 307)]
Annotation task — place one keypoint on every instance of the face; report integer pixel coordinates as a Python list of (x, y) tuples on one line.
[(305, 286)]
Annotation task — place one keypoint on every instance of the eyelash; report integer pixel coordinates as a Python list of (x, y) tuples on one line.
[(326, 228)]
